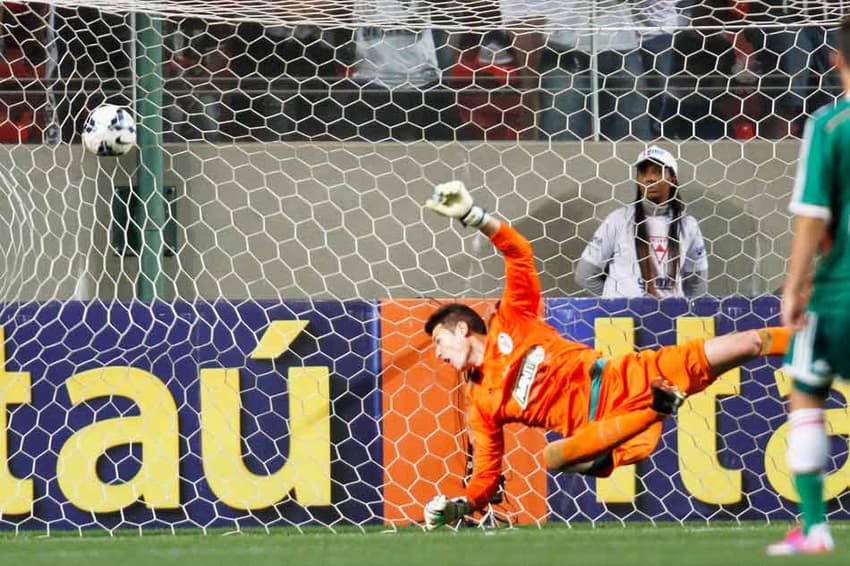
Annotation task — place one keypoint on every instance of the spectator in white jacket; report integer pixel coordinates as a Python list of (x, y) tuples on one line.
[(649, 248)]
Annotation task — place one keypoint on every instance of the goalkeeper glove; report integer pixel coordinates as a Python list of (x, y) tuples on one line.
[(453, 200), (443, 511)]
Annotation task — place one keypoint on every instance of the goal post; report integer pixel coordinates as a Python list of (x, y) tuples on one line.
[(147, 62), (266, 366)]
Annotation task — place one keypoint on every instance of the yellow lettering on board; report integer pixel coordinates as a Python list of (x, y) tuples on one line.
[(775, 461), (613, 337), (308, 467), (155, 429), (701, 472), (277, 338), (15, 494)]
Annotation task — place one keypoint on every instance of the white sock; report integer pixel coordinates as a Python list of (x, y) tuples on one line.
[(807, 442)]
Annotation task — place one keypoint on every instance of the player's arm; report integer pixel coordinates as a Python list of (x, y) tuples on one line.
[(811, 205), (522, 285), (590, 270), (488, 448), (809, 232), (590, 277), (695, 284), (695, 266)]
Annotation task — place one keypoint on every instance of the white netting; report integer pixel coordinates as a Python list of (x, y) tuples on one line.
[(299, 144), (484, 13)]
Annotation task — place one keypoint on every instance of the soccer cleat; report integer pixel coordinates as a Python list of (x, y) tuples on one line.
[(666, 397), (818, 541)]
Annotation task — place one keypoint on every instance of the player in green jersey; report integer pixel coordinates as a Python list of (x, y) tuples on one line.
[(818, 308)]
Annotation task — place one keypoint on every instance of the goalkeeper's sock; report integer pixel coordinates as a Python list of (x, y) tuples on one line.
[(598, 437), (774, 340), (807, 454)]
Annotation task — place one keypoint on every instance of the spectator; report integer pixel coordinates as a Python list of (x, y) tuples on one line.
[(711, 101), (200, 55), (285, 76), (651, 247), (396, 90), (17, 124), (659, 19), (568, 82), (490, 89), (798, 59), (25, 30)]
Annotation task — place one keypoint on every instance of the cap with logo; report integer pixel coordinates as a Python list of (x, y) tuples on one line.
[(660, 156)]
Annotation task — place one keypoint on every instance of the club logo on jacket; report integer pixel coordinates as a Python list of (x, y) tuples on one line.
[(527, 371), (505, 343), (659, 247)]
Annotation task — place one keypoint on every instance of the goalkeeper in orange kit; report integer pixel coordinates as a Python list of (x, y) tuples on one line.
[(609, 410)]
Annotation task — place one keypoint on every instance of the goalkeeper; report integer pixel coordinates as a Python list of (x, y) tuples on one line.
[(609, 411)]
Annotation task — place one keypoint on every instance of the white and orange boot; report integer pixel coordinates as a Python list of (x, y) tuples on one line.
[(818, 541)]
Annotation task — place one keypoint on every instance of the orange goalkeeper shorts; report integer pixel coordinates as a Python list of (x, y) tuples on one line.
[(626, 379), (626, 383)]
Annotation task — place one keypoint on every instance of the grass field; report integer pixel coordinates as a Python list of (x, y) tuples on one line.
[(724, 545)]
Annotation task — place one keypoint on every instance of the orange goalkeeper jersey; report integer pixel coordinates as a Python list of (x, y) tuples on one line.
[(530, 374)]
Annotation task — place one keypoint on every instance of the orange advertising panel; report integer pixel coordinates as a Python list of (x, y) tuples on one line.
[(425, 439)]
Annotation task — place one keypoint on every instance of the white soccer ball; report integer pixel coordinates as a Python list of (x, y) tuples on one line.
[(109, 130)]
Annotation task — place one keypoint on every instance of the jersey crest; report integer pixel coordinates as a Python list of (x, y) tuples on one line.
[(505, 343)]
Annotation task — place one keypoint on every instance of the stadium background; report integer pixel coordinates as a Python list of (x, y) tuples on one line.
[(273, 228)]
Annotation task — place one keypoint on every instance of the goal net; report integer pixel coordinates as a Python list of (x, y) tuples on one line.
[(278, 374)]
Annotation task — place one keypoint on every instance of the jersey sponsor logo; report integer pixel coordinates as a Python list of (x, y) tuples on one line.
[(506, 344), (527, 371), (661, 283), (659, 247)]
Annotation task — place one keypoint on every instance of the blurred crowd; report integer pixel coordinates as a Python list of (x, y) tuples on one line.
[(401, 70)]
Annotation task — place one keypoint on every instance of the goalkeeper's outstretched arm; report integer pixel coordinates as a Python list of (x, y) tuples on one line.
[(522, 294)]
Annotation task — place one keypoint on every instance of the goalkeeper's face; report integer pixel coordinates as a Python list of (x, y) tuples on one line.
[(453, 345)]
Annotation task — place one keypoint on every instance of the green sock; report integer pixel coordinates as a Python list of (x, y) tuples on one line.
[(812, 507)]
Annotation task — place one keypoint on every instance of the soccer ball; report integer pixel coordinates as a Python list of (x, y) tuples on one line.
[(110, 130)]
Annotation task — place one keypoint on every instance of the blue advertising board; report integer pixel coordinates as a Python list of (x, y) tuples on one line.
[(229, 414), (164, 358)]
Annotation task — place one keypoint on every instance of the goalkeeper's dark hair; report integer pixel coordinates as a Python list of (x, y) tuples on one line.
[(844, 39), (647, 271), (449, 315)]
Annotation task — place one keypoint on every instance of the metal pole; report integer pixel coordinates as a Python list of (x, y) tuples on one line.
[(150, 216), (594, 75)]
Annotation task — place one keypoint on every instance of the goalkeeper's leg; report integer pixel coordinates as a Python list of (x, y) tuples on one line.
[(590, 444), (732, 350), (695, 365)]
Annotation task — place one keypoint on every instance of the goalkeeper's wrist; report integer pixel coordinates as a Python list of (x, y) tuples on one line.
[(461, 508), (475, 217)]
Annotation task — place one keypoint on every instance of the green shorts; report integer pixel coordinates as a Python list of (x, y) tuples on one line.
[(819, 353)]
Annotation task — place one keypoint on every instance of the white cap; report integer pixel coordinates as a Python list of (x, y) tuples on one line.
[(658, 155)]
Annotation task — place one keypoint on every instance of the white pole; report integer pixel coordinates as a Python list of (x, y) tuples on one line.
[(594, 75)]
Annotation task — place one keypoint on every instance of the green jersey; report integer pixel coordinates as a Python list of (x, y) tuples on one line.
[(822, 190)]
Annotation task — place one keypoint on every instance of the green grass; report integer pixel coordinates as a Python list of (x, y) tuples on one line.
[(634, 545)]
